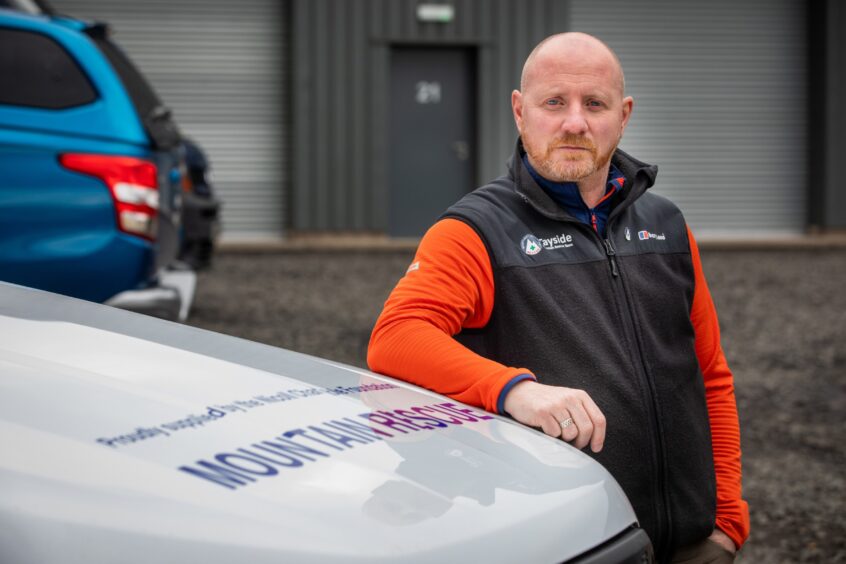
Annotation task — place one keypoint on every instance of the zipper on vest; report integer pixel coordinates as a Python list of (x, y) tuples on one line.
[(609, 250), (662, 504), (659, 459)]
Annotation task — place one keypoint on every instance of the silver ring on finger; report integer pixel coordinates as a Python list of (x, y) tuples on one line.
[(566, 422)]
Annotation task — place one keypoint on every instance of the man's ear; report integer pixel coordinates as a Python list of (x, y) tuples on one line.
[(628, 105), (517, 108)]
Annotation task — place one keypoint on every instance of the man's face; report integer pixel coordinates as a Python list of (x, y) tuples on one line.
[(571, 113)]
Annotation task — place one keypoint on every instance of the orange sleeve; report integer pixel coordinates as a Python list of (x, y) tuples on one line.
[(732, 510), (449, 286)]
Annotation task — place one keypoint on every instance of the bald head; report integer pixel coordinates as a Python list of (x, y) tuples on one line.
[(571, 46)]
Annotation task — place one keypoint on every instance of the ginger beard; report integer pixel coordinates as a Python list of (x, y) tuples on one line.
[(559, 165)]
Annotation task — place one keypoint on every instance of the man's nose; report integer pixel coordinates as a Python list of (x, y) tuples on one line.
[(575, 122)]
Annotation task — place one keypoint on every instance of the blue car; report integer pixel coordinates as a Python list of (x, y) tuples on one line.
[(90, 183)]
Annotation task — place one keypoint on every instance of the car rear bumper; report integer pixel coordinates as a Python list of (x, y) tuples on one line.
[(170, 298)]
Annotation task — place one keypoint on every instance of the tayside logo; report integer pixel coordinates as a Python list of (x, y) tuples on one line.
[(644, 235), (563, 241), (531, 245)]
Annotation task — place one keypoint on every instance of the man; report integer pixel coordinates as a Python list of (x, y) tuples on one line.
[(568, 297)]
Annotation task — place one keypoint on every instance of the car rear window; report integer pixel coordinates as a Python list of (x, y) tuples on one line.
[(37, 72)]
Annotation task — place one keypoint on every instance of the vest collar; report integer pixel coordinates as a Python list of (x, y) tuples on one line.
[(639, 178)]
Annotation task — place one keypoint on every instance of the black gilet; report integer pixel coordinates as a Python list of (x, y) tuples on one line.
[(612, 317)]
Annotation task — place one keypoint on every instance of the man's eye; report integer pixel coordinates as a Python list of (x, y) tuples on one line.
[(553, 102), (595, 104)]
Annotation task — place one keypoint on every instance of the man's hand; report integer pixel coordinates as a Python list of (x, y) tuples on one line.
[(539, 405), (723, 540)]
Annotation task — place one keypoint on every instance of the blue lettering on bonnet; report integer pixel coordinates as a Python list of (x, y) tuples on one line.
[(297, 447)]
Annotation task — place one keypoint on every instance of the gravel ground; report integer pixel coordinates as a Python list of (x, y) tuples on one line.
[(783, 317)]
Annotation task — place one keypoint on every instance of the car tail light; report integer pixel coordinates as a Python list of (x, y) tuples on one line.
[(133, 184)]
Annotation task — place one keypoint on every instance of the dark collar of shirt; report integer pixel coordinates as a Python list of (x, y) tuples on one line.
[(567, 195)]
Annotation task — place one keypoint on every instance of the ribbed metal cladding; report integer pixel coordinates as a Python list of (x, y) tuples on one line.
[(720, 104), (221, 67), (341, 56), (834, 216)]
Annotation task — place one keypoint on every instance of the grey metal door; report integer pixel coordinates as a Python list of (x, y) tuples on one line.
[(432, 135)]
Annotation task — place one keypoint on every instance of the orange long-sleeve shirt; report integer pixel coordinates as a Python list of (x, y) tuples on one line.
[(450, 287)]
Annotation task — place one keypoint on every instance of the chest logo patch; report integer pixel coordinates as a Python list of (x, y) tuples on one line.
[(646, 235), (531, 245)]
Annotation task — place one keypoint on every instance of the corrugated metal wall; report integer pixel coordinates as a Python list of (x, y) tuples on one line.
[(719, 88), (833, 116), (221, 67), (341, 50), (720, 104)]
